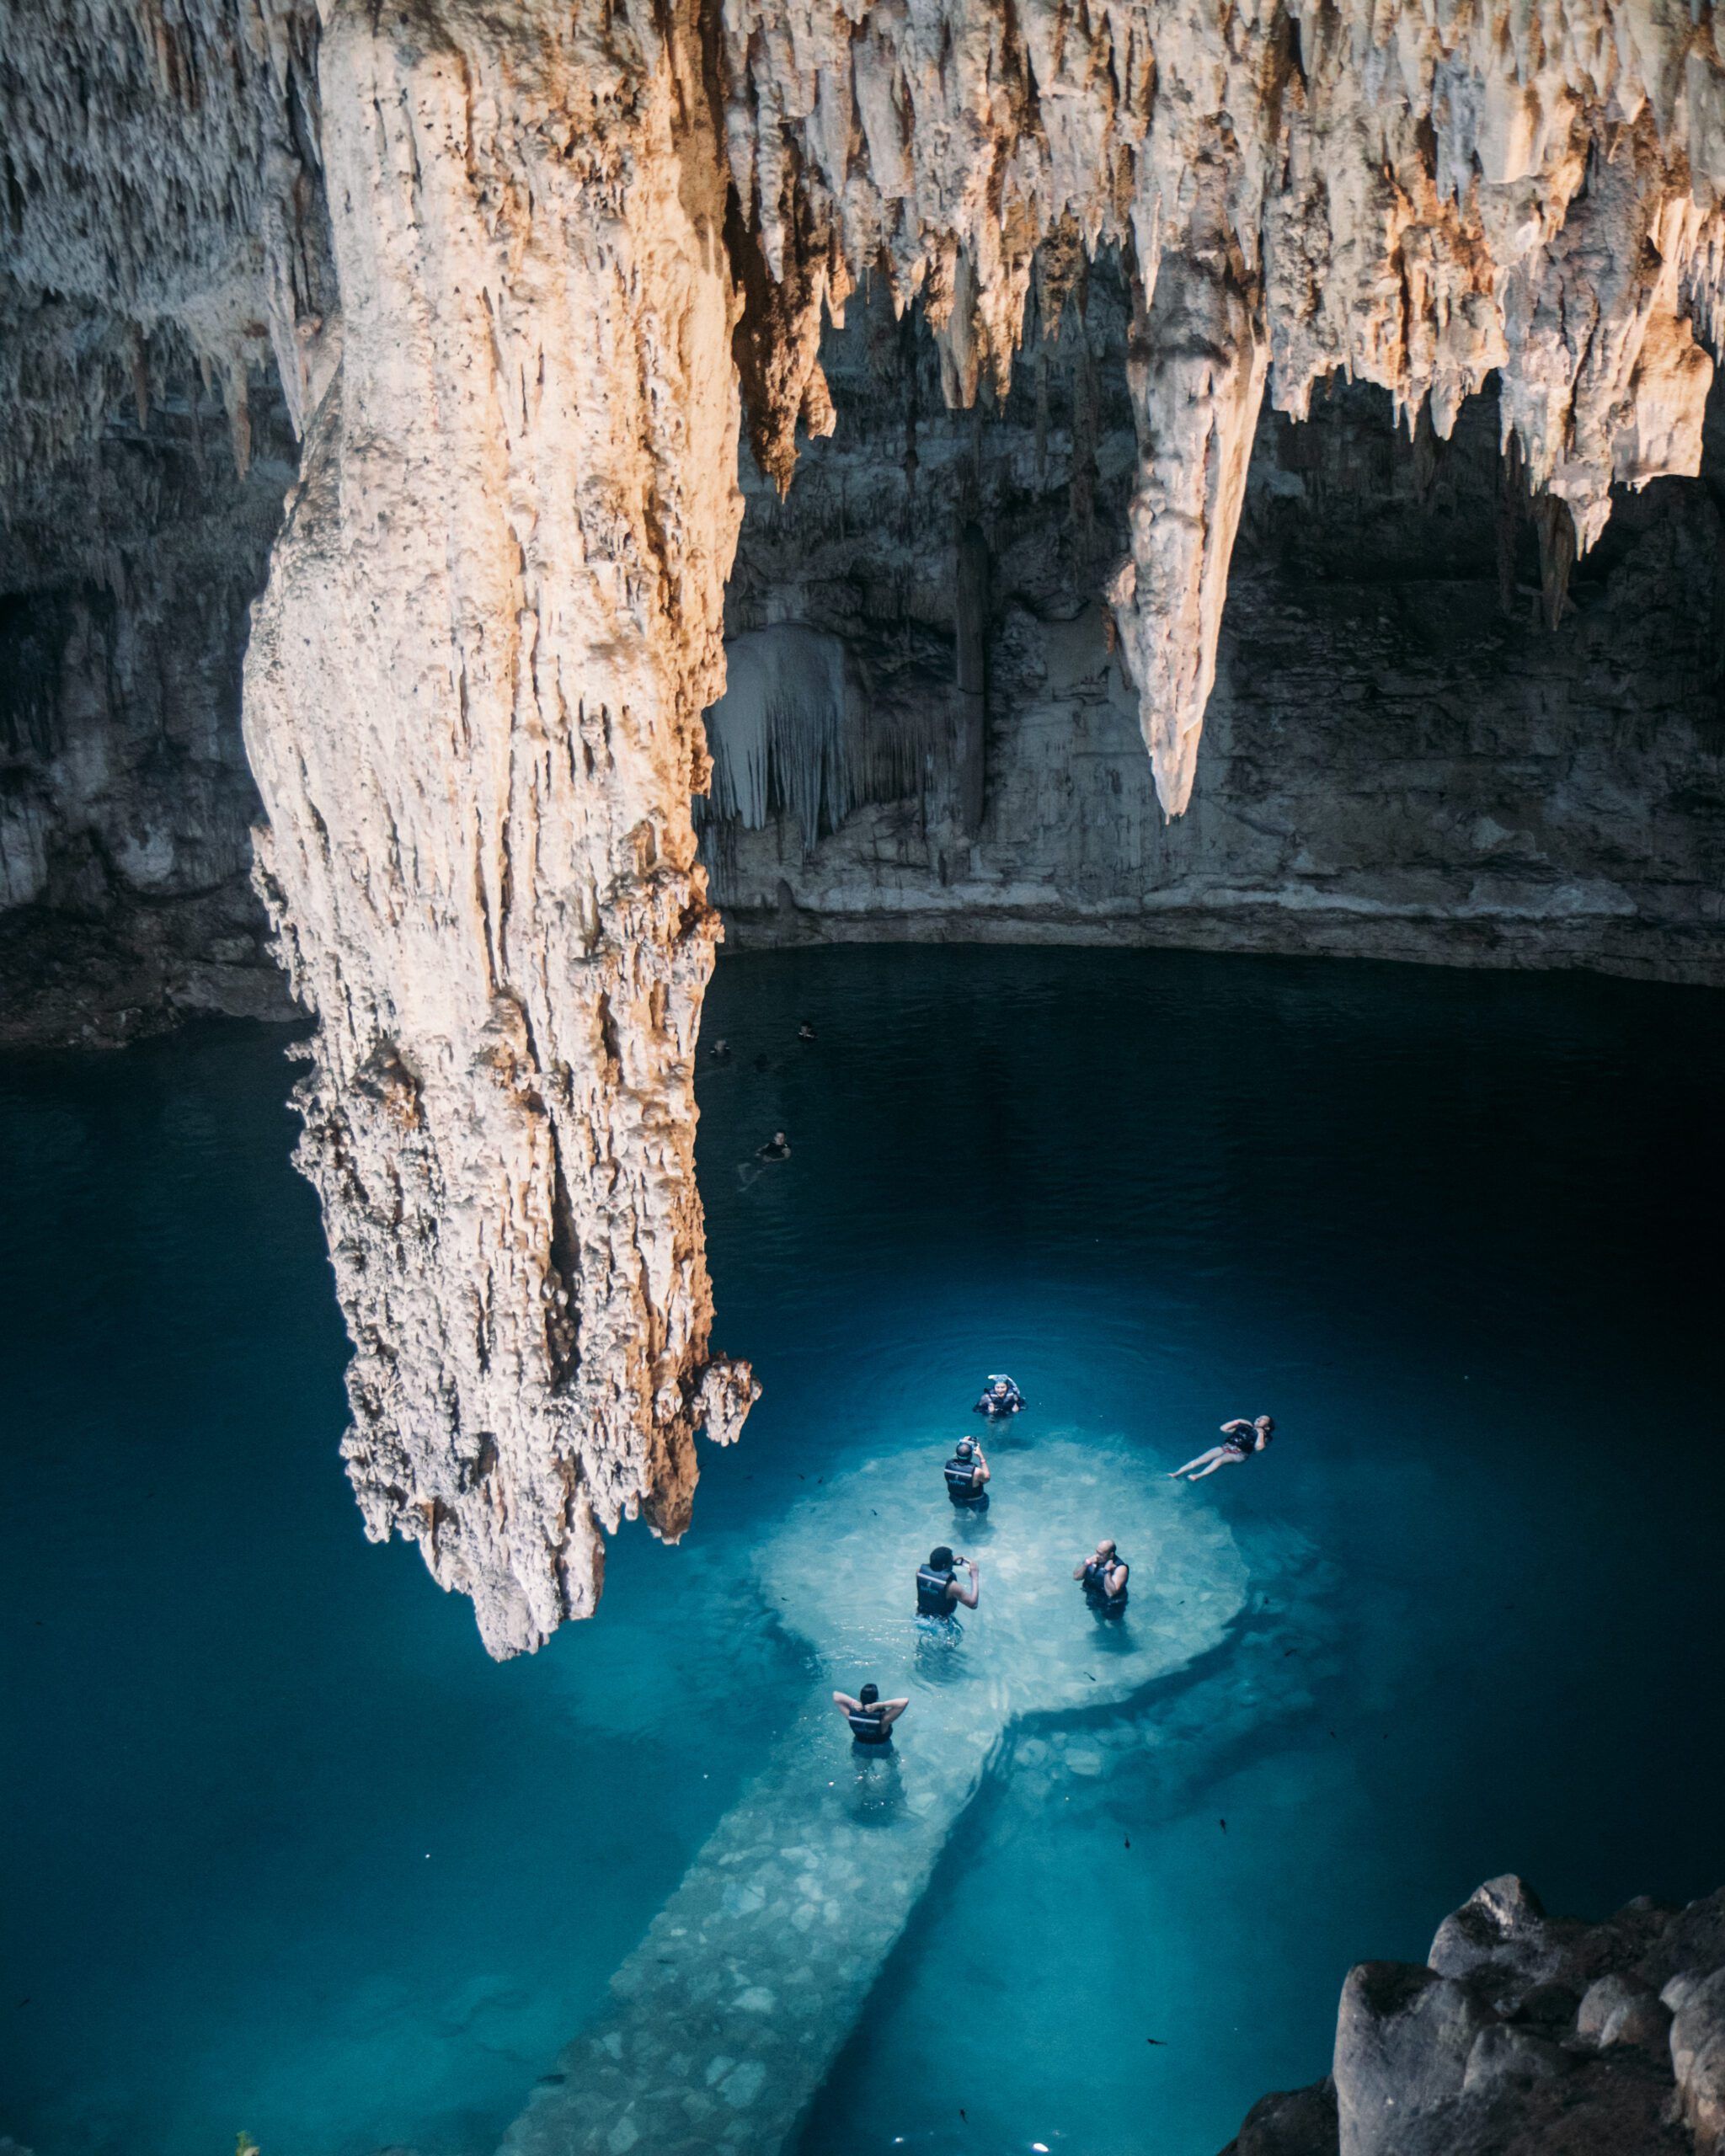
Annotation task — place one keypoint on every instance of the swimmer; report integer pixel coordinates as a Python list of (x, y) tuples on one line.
[(720, 1051), (1240, 1438), (939, 1591), (968, 1475), (776, 1148), (805, 1032), (1104, 1576), (1000, 1396), (870, 1716)]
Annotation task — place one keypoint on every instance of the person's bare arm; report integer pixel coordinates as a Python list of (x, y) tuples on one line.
[(845, 1705), (967, 1594), (1239, 1423), (891, 1710), (1116, 1581), (1080, 1568), (982, 1469)]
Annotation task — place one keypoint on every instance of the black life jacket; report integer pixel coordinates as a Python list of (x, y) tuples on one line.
[(961, 1487), (931, 1592), (865, 1725), (1095, 1582)]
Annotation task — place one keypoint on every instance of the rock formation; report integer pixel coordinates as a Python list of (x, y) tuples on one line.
[(1402, 759), (1526, 2034), (510, 270), (473, 704)]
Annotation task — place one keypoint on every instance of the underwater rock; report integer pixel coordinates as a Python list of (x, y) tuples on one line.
[(1574, 2063)]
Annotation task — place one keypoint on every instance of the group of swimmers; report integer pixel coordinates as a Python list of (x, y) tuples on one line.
[(1104, 1575)]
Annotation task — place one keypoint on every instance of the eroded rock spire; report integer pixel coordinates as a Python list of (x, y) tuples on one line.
[(473, 706)]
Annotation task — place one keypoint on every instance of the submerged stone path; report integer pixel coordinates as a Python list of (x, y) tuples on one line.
[(728, 2016)]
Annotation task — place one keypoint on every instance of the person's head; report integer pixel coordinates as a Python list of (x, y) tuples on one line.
[(940, 1558), (999, 1388), (778, 1138), (965, 1446), (1106, 1551), (1265, 1425), (869, 1694), (718, 1045)]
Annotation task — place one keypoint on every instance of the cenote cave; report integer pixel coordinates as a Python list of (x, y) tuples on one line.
[(716, 719)]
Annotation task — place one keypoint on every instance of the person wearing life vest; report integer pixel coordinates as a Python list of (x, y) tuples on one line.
[(967, 1473), (1000, 1396), (870, 1716), (1104, 1575), (1241, 1439), (939, 1591)]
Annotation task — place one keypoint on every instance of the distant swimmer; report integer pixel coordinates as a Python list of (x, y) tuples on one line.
[(1241, 1439), (805, 1032), (1000, 1396), (939, 1591), (968, 1475), (1104, 1575), (720, 1051), (776, 1148), (870, 1716)]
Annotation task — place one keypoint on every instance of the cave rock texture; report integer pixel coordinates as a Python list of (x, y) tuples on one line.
[(1525, 2033), (505, 272)]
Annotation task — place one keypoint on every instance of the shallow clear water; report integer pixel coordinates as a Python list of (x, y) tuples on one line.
[(286, 1854)]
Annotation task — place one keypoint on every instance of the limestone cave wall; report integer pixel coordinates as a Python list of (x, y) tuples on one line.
[(1418, 745), (126, 803)]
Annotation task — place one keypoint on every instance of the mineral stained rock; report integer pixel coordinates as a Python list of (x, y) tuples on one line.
[(510, 266), (1525, 2034), (473, 701)]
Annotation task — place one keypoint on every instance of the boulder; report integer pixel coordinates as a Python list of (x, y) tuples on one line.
[(1619, 2010), (1293, 2122), (1505, 2057), (1403, 2038), (1501, 1940), (1698, 2056), (1692, 1939)]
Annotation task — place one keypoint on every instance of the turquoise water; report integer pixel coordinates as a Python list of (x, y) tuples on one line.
[(286, 1854)]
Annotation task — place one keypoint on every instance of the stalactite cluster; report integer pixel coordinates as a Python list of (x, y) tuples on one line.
[(1415, 196)]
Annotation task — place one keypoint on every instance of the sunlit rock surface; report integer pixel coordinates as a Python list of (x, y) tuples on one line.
[(1525, 2032), (473, 699)]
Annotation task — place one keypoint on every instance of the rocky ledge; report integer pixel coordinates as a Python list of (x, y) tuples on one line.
[(1524, 2034)]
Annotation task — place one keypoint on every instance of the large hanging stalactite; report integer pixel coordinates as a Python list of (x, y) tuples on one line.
[(474, 704)]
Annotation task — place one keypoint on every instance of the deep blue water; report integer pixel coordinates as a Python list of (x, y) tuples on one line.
[(286, 1854)]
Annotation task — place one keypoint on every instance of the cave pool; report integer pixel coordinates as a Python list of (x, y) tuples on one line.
[(286, 1856)]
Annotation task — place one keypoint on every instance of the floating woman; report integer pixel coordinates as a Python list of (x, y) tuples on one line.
[(1240, 1438)]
